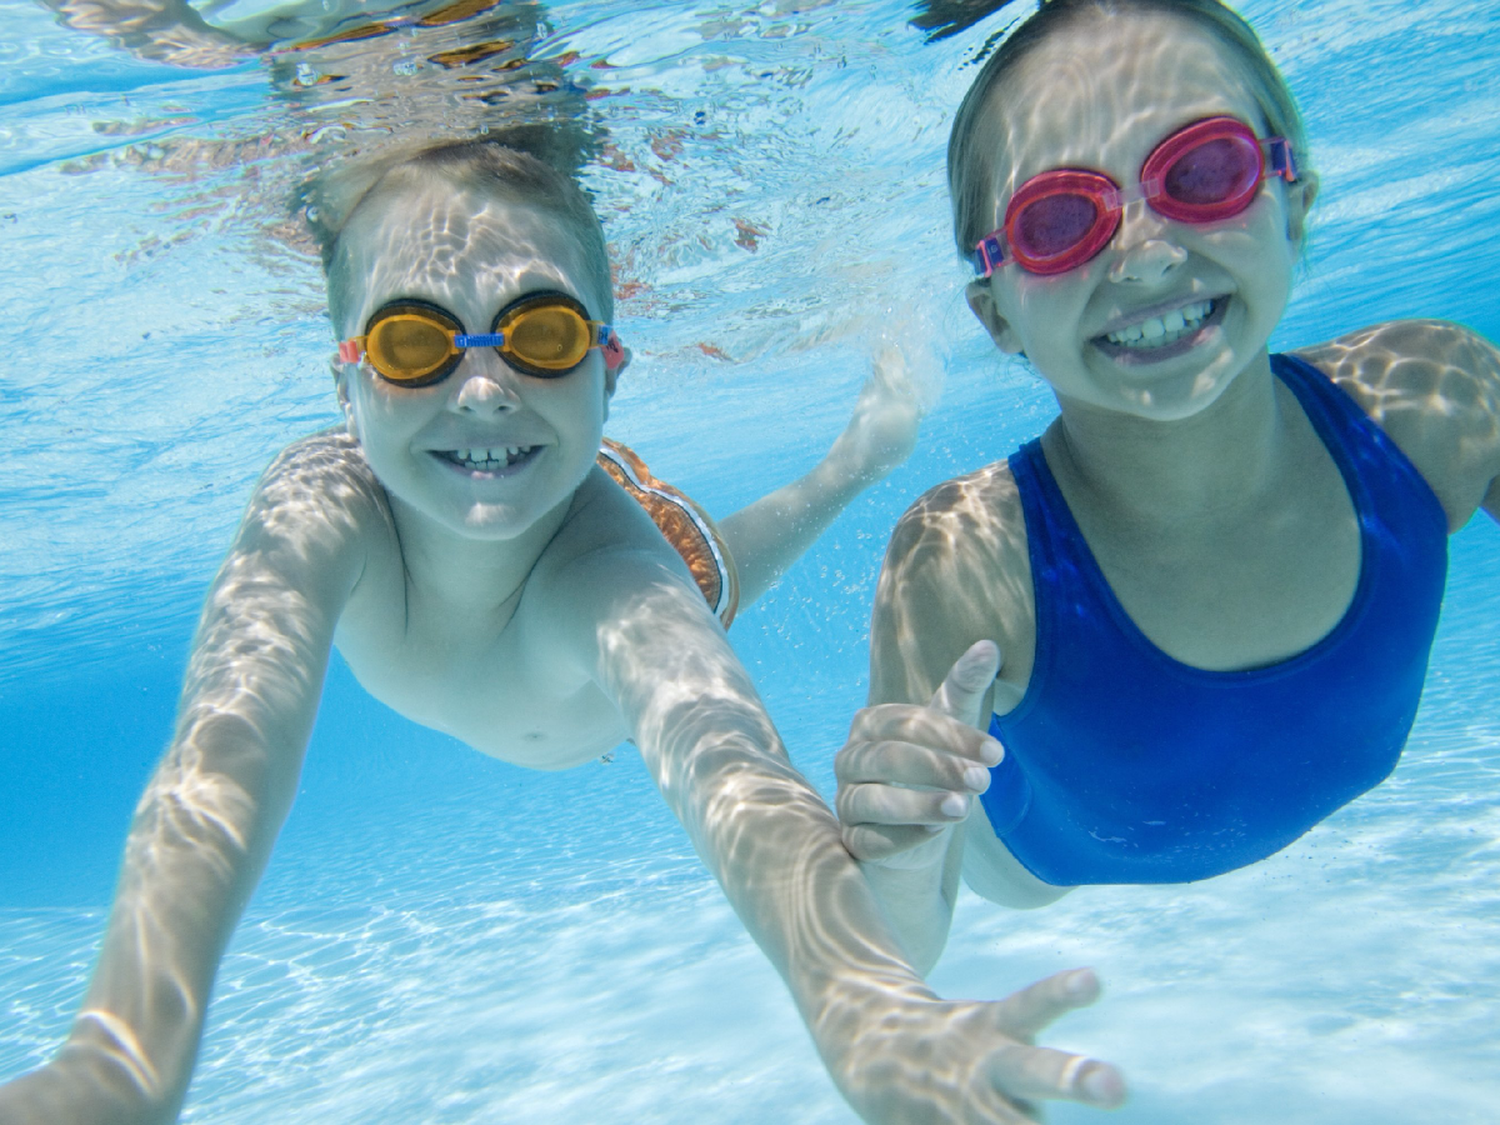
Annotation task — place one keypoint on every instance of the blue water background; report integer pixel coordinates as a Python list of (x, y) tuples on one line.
[(441, 937)]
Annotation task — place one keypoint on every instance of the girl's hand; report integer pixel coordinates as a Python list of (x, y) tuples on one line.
[(908, 773)]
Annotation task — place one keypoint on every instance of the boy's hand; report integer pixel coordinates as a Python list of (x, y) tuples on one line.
[(908, 774), (883, 429), (972, 1062)]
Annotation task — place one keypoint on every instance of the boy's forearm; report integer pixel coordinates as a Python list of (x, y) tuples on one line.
[(770, 534), (198, 844), (760, 828), (775, 848)]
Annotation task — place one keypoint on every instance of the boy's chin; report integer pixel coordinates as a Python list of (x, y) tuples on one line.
[(495, 523)]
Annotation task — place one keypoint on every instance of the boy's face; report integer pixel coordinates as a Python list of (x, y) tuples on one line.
[(488, 451)]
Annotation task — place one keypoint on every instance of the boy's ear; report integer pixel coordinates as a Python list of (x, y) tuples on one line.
[(1299, 201), (341, 388), (612, 376), (982, 305)]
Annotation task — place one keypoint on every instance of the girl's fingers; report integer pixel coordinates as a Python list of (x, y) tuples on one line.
[(890, 804), (923, 727), (961, 694), (902, 763)]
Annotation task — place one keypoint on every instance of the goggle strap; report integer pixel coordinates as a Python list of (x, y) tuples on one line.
[(1283, 160), (352, 351), (988, 255), (611, 348)]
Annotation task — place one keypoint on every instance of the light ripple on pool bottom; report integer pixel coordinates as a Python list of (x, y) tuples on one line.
[(1348, 979), (649, 1008), (1255, 997), (498, 1013), (1332, 983)]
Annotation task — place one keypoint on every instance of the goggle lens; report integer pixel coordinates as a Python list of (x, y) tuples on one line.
[(409, 346), (1214, 179), (1053, 225), (551, 337)]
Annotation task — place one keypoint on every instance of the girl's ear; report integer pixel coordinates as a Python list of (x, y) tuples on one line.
[(982, 305), (1299, 201)]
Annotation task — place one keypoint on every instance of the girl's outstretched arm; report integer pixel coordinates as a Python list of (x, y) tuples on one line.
[(772, 533), (898, 1052), (210, 814)]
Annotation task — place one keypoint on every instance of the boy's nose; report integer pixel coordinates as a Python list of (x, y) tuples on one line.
[(1146, 252), (485, 384)]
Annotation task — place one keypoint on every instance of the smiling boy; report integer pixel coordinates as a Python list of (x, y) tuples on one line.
[(482, 575)]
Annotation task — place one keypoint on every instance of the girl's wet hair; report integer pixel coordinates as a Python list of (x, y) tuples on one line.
[(512, 165), (971, 166)]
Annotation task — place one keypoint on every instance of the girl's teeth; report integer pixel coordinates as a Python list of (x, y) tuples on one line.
[(1165, 329)]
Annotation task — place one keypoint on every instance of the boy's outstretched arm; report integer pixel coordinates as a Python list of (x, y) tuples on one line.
[(210, 814), (168, 31), (895, 1050), (769, 535)]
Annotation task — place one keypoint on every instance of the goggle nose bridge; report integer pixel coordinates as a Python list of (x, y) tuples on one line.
[(479, 340)]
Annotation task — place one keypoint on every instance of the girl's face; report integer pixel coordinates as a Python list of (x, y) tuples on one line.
[(488, 451), (1101, 95)]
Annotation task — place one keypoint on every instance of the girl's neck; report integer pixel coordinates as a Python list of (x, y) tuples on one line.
[(1218, 461)]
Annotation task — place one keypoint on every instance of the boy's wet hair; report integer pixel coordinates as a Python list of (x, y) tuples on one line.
[(971, 167), (506, 165)]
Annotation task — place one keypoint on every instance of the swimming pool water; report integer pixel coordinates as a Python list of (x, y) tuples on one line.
[(444, 938)]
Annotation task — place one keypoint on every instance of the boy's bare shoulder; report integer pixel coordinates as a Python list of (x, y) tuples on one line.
[(1434, 387), (319, 489), (604, 547)]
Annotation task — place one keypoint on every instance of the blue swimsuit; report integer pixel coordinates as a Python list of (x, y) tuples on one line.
[(1123, 765)]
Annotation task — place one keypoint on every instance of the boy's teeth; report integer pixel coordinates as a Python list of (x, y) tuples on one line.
[(490, 459), (1165, 329)]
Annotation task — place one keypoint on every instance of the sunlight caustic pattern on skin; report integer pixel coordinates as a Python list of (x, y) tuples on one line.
[(192, 833), (954, 539), (1460, 379), (889, 1062)]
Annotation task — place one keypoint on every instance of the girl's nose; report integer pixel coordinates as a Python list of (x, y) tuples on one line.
[(485, 384), (1146, 252)]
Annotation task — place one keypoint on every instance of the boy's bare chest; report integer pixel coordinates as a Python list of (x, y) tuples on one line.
[(474, 676)]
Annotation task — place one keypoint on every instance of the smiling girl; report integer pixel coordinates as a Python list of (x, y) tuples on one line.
[(1194, 614)]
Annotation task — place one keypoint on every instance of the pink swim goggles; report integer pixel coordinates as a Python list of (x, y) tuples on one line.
[(1207, 171)]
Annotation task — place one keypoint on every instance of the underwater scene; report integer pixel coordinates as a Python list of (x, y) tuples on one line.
[(441, 936)]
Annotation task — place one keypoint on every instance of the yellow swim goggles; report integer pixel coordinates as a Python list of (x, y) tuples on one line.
[(546, 335)]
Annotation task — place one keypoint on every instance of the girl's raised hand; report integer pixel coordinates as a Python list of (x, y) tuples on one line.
[(909, 773)]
